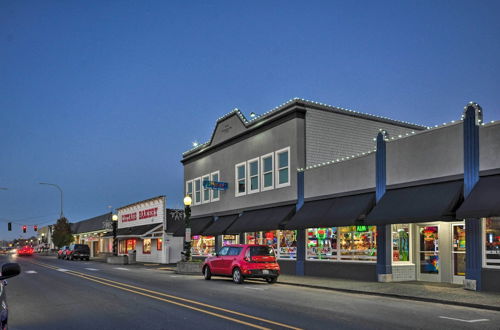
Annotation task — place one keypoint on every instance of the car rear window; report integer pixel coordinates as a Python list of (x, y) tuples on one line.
[(81, 247), (234, 251), (261, 251)]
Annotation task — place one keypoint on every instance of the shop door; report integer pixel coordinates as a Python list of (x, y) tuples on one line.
[(458, 252), (428, 258)]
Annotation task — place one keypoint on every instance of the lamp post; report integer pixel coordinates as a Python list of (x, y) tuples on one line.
[(187, 215), (60, 190), (114, 217)]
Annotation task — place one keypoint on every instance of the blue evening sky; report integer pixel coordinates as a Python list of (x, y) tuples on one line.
[(102, 97)]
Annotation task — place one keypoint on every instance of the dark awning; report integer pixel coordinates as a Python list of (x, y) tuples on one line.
[(332, 212), (432, 202), (136, 231), (262, 219), (219, 226), (197, 226), (484, 199)]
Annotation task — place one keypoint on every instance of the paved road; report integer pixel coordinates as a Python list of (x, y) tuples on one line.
[(59, 294)]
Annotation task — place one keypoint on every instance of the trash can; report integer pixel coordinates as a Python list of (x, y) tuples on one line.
[(131, 257)]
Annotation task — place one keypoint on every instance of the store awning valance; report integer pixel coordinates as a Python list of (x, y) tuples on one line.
[(262, 219), (197, 226), (136, 231), (219, 226), (432, 202), (332, 212), (484, 199)]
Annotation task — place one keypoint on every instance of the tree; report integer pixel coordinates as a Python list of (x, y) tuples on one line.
[(61, 235)]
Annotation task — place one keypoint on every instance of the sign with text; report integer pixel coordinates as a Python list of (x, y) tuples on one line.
[(188, 235), (215, 185), (142, 213)]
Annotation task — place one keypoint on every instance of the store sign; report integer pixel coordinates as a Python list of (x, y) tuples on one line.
[(361, 229), (147, 212), (215, 185), (188, 235)]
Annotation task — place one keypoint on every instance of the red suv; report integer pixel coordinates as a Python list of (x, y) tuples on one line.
[(243, 261)]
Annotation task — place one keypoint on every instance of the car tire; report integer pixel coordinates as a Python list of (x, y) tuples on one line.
[(207, 274), (271, 280), (237, 276)]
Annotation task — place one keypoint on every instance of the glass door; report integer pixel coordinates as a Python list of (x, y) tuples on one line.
[(458, 252), (429, 264)]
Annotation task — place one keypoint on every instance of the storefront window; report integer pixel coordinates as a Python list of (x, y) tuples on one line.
[(287, 248), (125, 246), (146, 246), (492, 242), (230, 239), (159, 244), (401, 243), (263, 238), (322, 243), (122, 247), (202, 245)]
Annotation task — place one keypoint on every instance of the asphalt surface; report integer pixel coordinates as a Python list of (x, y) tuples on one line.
[(59, 294)]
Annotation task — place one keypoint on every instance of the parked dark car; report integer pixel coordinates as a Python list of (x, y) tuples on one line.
[(8, 270), (61, 254), (243, 261), (78, 251)]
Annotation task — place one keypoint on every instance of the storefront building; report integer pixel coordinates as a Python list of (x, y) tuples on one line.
[(343, 194), (146, 228), (94, 232)]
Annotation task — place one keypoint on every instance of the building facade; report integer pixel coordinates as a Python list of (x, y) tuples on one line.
[(94, 232), (344, 194)]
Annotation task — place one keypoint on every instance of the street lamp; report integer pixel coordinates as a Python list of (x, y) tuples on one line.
[(114, 217), (187, 214), (60, 190)]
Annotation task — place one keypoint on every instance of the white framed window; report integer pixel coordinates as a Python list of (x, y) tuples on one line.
[(282, 167), (189, 188), (206, 192), (240, 185), (267, 172), (491, 244), (253, 175), (401, 244), (197, 191), (215, 194)]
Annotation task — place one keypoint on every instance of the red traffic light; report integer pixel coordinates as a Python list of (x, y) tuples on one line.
[(35, 228), (24, 229)]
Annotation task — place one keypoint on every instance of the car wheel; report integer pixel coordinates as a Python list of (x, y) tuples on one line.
[(271, 280), (237, 277), (207, 274)]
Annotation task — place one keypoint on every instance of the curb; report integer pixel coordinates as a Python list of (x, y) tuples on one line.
[(398, 296)]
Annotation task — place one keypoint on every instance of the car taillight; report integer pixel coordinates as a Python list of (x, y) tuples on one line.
[(247, 259)]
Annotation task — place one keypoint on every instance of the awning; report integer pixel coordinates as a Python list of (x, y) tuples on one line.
[(431, 202), (219, 226), (197, 226), (484, 199), (262, 219), (136, 231), (332, 212)]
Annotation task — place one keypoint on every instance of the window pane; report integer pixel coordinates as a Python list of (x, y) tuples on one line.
[(197, 185), (492, 242), (268, 164), (268, 180), (254, 168), (206, 194), (241, 186), (283, 159), (254, 183), (241, 172), (283, 176), (197, 196), (358, 243), (190, 188), (401, 242), (287, 244), (215, 194), (215, 177), (322, 243)]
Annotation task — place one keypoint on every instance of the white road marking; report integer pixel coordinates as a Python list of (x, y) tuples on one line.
[(63, 270), (250, 287), (91, 269), (174, 276), (461, 320), (119, 268), (30, 272)]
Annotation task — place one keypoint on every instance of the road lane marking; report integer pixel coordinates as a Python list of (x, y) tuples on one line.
[(30, 272), (166, 268), (120, 268), (124, 286), (93, 269), (252, 288), (461, 320), (62, 270), (151, 264)]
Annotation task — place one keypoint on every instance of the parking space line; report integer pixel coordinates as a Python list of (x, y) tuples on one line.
[(120, 268), (461, 320), (93, 269), (30, 272)]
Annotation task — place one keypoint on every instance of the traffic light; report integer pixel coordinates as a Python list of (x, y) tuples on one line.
[(35, 228), (9, 226), (24, 228)]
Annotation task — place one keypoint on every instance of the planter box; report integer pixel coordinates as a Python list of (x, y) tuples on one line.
[(117, 260), (189, 268)]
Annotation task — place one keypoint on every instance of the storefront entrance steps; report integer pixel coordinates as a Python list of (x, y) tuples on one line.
[(443, 293)]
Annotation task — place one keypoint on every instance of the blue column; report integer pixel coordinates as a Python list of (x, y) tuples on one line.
[(301, 233), (384, 257), (473, 232)]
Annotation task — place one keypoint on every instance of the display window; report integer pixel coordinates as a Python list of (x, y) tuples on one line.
[(352, 243), (492, 242), (159, 244), (230, 239), (202, 245), (263, 238), (401, 247), (287, 244), (125, 246), (146, 246)]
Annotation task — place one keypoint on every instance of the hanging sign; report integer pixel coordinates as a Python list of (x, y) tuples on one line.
[(215, 185), (188, 235)]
